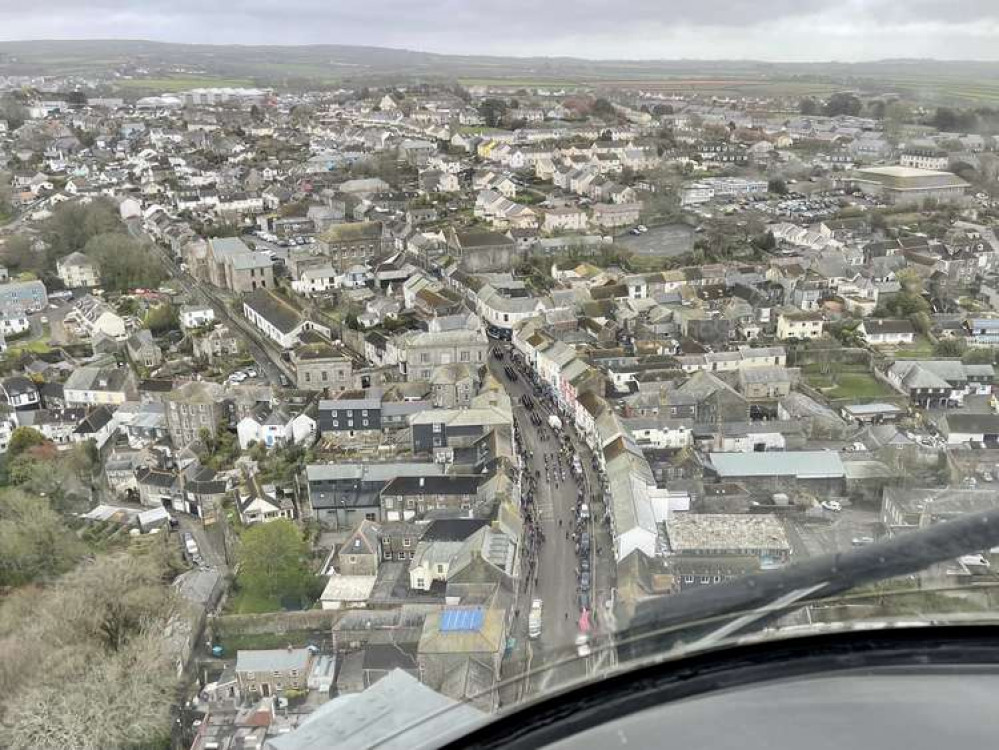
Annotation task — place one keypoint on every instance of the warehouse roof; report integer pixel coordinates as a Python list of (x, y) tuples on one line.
[(800, 464)]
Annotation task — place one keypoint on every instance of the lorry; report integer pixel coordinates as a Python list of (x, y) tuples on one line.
[(554, 422), (534, 620)]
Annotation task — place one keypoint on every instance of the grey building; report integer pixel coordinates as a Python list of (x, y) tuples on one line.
[(454, 428), (230, 264), (347, 244), (269, 672), (351, 414), (321, 365), (142, 350), (192, 407), (425, 350), (344, 494), (363, 415), (409, 498), (455, 385)]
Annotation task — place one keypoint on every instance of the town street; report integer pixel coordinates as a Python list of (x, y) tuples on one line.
[(555, 576)]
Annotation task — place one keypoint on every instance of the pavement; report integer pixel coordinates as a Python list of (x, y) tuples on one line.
[(553, 573)]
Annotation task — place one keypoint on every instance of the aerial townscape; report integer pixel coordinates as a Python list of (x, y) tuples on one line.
[(410, 388)]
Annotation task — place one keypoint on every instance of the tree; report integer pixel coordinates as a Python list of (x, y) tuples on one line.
[(777, 186), (273, 562), (492, 111), (72, 225), (765, 241), (162, 318), (604, 109), (843, 104), (104, 628), (13, 112), (125, 263), (35, 543), (949, 348), (22, 439)]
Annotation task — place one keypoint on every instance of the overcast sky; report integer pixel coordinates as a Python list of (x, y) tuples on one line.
[(661, 29)]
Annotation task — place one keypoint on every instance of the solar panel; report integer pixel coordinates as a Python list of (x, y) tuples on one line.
[(461, 619)]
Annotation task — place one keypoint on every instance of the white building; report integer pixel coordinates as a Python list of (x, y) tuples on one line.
[(566, 219), (77, 270), (799, 326), (195, 316), (277, 319)]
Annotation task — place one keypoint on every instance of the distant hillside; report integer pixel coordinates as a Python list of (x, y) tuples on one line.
[(162, 64)]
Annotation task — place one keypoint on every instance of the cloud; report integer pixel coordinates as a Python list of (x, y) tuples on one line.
[(774, 30)]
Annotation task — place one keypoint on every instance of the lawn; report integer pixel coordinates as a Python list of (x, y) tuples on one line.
[(245, 602), (921, 348), (39, 346), (851, 385)]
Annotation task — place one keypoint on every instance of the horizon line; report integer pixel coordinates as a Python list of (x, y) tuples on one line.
[(648, 60)]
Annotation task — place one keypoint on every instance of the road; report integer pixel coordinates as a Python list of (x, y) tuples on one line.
[(555, 578), (269, 363)]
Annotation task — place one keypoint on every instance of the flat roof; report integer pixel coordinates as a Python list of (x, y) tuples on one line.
[(800, 464), (688, 532)]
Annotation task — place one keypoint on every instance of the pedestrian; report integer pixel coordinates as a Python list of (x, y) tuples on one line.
[(560, 523), (566, 615)]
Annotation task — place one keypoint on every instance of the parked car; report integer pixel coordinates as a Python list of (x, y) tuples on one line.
[(834, 505)]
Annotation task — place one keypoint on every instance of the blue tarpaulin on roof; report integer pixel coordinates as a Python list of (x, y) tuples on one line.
[(453, 620)]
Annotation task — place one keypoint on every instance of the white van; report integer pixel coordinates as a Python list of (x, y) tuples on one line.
[(534, 620)]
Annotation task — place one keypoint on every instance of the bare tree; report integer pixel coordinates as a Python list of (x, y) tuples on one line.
[(89, 662)]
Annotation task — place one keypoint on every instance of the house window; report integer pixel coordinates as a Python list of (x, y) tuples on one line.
[(388, 503), (335, 423), (420, 584), (440, 568), (410, 504), (688, 579), (705, 579), (406, 541), (464, 357), (352, 559), (325, 376), (438, 427), (365, 423), (369, 516), (388, 554)]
